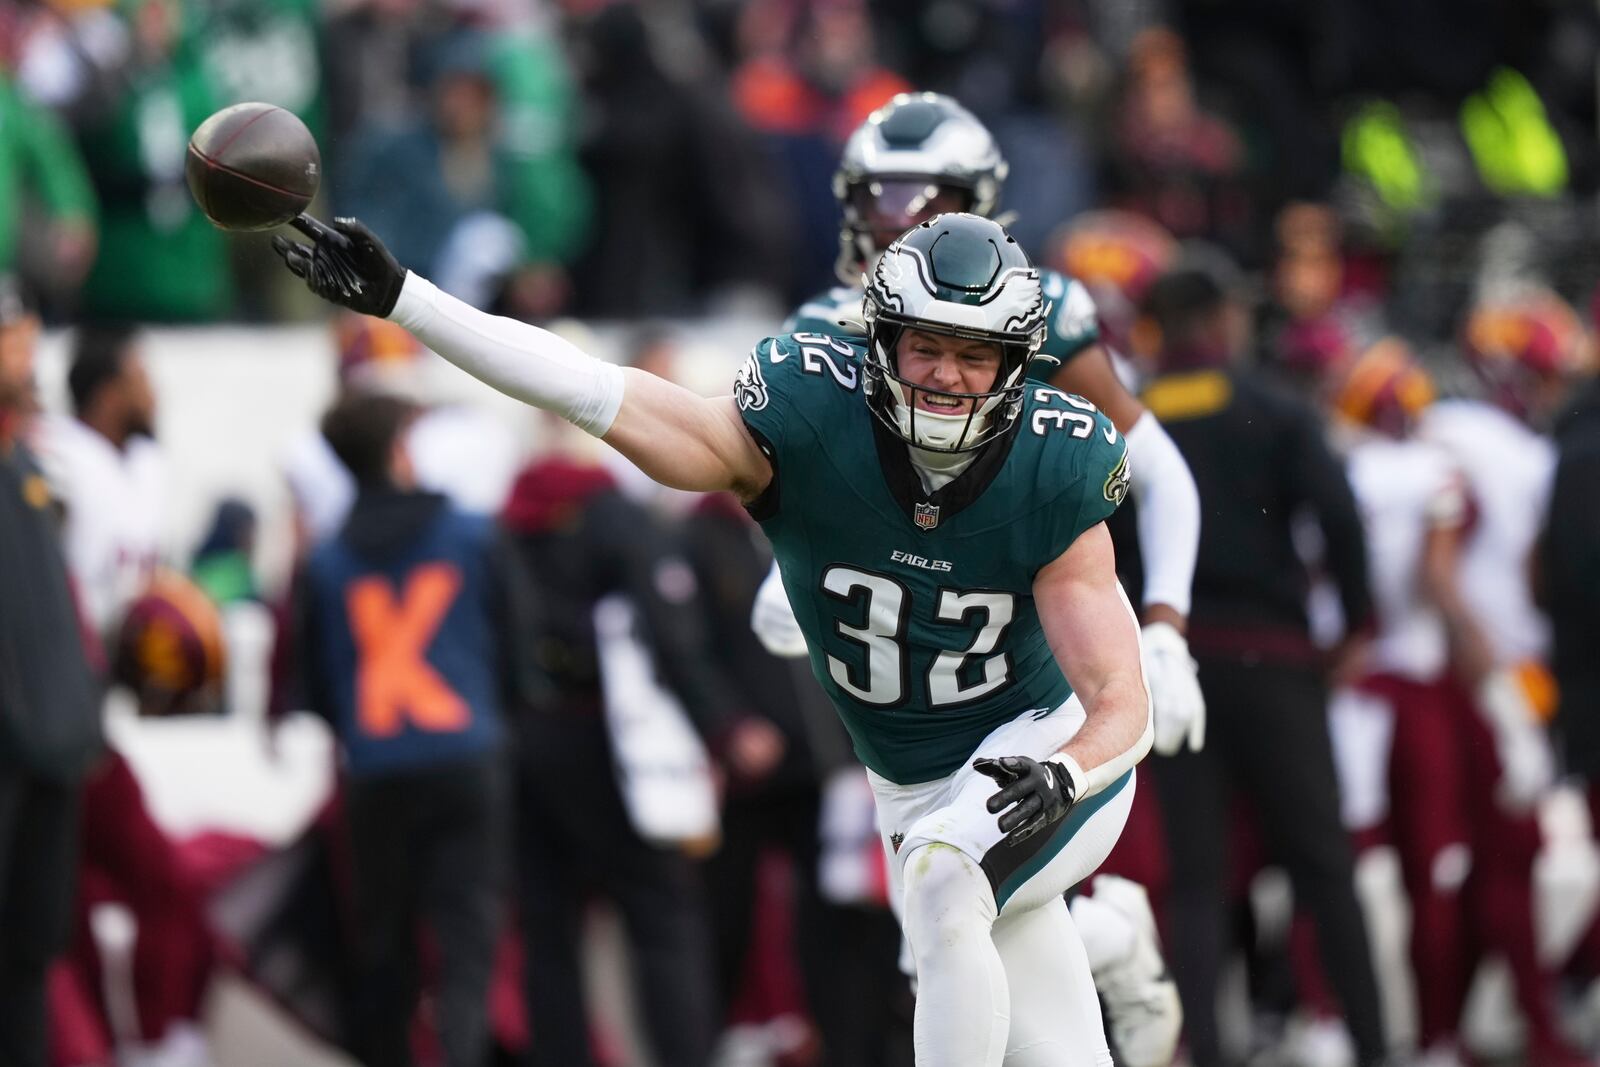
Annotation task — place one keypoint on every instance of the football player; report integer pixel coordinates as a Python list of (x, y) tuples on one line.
[(939, 524), (923, 153)]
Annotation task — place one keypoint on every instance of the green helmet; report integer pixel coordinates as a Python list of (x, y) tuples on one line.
[(963, 276)]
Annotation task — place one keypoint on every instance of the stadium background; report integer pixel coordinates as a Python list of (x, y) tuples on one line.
[(666, 165)]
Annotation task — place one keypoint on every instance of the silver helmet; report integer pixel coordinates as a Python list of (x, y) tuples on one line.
[(918, 155), (961, 276)]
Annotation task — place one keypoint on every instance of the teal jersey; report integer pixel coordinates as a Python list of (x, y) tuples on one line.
[(836, 313), (918, 607), (1074, 324)]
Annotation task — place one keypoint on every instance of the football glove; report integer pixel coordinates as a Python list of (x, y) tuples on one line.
[(1176, 703), (1039, 794), (345, 264)]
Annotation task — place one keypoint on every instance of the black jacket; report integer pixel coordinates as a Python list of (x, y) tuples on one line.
[(1570, 580), (1260, 460), (49, 697), (577, 540)]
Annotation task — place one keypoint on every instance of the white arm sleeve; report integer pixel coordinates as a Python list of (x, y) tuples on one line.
[(520, 360), (772, 618), (1169, 514)]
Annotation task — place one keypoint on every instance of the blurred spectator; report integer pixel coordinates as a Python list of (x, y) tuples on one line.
[(1311, 324), (169, 655), (581, 542), (689, 211), (129, 861), (1404, 767), (222, 564), (170, 651), (1168, 158), (1117, 255), (159, 259), (267, 50), (810, 77), (1570, 565), (1527, 347), (49, 712), (39, 165), (1258, 458), (494, 141), (772, 799), (109, 472), (461, 450), (404, 619)]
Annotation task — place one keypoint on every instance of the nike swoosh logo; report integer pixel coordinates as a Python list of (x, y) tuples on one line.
[(1049, 779)]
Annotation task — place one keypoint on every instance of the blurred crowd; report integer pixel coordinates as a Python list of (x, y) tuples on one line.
[(615, 159), (1366, 228)]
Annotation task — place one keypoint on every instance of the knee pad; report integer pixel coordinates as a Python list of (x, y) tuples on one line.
[(947, 897)]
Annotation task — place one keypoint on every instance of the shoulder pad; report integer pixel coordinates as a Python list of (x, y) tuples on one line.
[(1074, 323)]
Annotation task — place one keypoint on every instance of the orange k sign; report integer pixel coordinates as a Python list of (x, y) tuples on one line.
[(394, 680)]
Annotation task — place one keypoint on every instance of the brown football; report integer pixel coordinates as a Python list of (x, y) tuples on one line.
[(252, 167)]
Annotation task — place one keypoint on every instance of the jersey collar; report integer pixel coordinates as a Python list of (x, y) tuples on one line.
[(894, 458)]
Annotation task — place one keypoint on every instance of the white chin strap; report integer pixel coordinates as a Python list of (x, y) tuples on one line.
[(932, 429)]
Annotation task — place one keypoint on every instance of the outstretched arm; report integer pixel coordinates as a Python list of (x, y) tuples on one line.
[(679, 438)]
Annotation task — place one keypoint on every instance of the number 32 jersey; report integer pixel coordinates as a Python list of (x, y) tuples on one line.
[(918, 607)]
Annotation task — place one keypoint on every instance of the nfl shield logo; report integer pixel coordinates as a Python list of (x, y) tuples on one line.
[(926, 516)]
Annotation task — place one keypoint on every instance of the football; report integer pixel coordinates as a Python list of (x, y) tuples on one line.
[(252, 167)]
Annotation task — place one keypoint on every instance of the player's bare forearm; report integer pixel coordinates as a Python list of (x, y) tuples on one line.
[(1094, 634), (1117, 724), (686, 441)]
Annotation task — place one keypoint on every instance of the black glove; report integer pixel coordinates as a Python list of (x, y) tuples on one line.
[(1042, 793), (346, 265)]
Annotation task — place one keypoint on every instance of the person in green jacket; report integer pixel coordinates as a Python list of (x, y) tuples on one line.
[(160, 260), (40, 165)]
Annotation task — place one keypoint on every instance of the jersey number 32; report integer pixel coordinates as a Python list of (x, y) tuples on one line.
[(885, 607)]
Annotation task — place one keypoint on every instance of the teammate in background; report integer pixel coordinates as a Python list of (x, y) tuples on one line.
[(939, 522), (1527, 347), (923, 153)]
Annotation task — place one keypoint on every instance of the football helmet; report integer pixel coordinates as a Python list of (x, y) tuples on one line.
[(1116, 255), (170, 649), (1524, 344), (916, 156), (962, 276), (1385, 389)]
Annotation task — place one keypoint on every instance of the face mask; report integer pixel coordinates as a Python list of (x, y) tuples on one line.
[(935, 430)]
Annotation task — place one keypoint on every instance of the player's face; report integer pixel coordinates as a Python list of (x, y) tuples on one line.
[(932, 361), (140, 397), (16, 360), (891, 206)]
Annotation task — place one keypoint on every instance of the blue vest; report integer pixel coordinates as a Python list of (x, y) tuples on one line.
[(405, 659)]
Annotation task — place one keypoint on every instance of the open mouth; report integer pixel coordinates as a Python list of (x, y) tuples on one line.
[(945, 404)]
